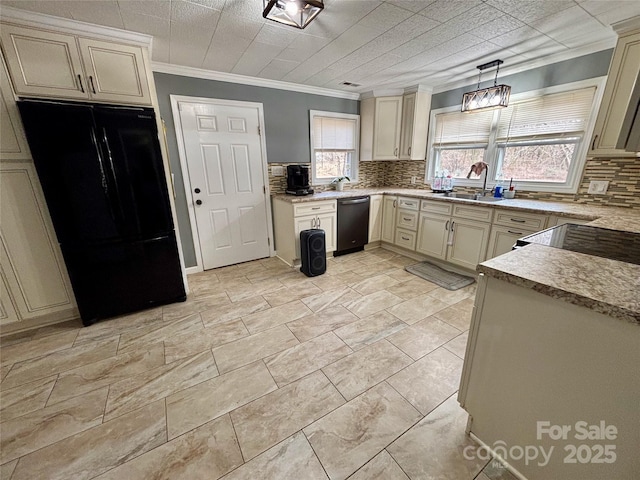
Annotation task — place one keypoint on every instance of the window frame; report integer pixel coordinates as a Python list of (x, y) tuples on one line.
[(493, 153), (355, 153)]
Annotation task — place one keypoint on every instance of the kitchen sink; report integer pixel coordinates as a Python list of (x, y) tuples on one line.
[(470, 196)]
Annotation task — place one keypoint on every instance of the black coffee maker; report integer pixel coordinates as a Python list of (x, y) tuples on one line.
[(298, 180)]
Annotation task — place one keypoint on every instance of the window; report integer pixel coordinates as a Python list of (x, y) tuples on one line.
[(334, 146), (539, 141)]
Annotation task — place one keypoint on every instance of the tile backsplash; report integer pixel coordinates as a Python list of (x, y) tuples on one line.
[(623, 175)]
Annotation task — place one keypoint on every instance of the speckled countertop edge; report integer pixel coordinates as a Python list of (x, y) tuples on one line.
[(573, 277)]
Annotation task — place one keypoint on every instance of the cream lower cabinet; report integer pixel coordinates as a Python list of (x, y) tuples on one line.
[(290, 219), (509, 226), (375, 218), (458, 234), (407, 222), (61, 65), (34, 276), (389, 204)]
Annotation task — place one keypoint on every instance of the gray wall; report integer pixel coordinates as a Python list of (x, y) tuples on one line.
[(573, 70), (286, 117)]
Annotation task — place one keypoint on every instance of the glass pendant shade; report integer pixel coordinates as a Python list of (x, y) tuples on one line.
[(295, 13), (490, 97)]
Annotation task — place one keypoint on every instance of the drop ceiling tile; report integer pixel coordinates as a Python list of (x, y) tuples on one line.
[(272, 34), (146, 7), (497, 27), (188, 45), (570, 24), (217, 4), (223, 54), (255, 58), (474, 18), (412, 5), (59, 9), (338, 16), (107, 11), (231, 25), (195, 15), (249, 9), (384, 17), (443, 10), (624, 11), (528, 11), (277, 69), (523, 40), (628, 8), (155, 26), (160, 50)]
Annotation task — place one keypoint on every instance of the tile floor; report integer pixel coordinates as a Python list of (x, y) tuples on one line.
[(262, 374)]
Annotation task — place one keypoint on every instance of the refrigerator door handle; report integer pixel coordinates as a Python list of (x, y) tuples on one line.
[(103, 176)]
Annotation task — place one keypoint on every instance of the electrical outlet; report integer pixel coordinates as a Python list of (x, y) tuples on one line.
[(598, 187), (413, 180), (277, 171)]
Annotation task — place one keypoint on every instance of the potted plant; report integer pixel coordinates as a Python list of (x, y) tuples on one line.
[(339, 182)]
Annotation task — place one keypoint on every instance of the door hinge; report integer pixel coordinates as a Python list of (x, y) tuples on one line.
[(264, 189), (259, 131)]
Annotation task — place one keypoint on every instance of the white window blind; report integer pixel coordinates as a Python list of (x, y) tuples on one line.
[(462, 128), (334, 133), (558, 115)]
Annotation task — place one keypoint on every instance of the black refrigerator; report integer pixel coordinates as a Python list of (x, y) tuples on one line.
[(103, 179)]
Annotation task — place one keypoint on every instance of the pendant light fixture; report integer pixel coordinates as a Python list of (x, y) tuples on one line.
[(490, 97), (295, 13)]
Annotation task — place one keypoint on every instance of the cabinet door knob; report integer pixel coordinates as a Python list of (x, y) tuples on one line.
[(593, 144), (409, 151), (198, 202), (318, 222), (93, 87), (395, 152), (80, 83)]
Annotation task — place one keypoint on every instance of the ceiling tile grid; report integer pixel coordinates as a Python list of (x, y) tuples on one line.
[(376, 43)]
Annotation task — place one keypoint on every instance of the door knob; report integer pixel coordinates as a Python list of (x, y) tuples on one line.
[(197, 190), (198, 202)]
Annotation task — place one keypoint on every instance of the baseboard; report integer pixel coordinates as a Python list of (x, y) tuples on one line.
[(506, 465), (196, 269), (43, 321)]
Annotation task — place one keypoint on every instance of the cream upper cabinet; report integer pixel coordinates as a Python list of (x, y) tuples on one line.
[(116, 72), (380, 123), (623, 75), (386, 131), (57, 65), (375, 218), (43, 63), (30, 259), (13, 144), (415, 123)]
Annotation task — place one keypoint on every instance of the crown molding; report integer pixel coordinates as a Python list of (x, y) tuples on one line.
[(460, 81), (246, 80), (58, 24), (625, 26), (418, 88)]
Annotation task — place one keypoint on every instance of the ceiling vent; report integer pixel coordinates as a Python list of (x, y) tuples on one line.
[(349, 84)]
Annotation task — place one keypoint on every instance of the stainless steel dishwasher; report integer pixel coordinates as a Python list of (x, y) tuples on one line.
[(353, 225)]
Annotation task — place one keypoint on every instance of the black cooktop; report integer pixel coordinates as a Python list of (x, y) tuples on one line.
[(600, 242)]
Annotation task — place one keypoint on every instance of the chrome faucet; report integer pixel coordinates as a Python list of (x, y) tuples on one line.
[(478, 168)]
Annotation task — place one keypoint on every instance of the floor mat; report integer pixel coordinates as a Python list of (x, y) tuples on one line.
[(439, 276)]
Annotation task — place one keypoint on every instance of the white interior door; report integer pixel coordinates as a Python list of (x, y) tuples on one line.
[(226, 172)]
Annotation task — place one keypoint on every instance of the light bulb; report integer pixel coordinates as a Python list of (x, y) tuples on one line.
[(292, 7)]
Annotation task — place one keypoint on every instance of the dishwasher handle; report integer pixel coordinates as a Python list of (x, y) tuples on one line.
[(353, 201)]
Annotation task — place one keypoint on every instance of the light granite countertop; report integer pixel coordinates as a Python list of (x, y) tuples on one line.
[(575, 210), (607, 286)]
